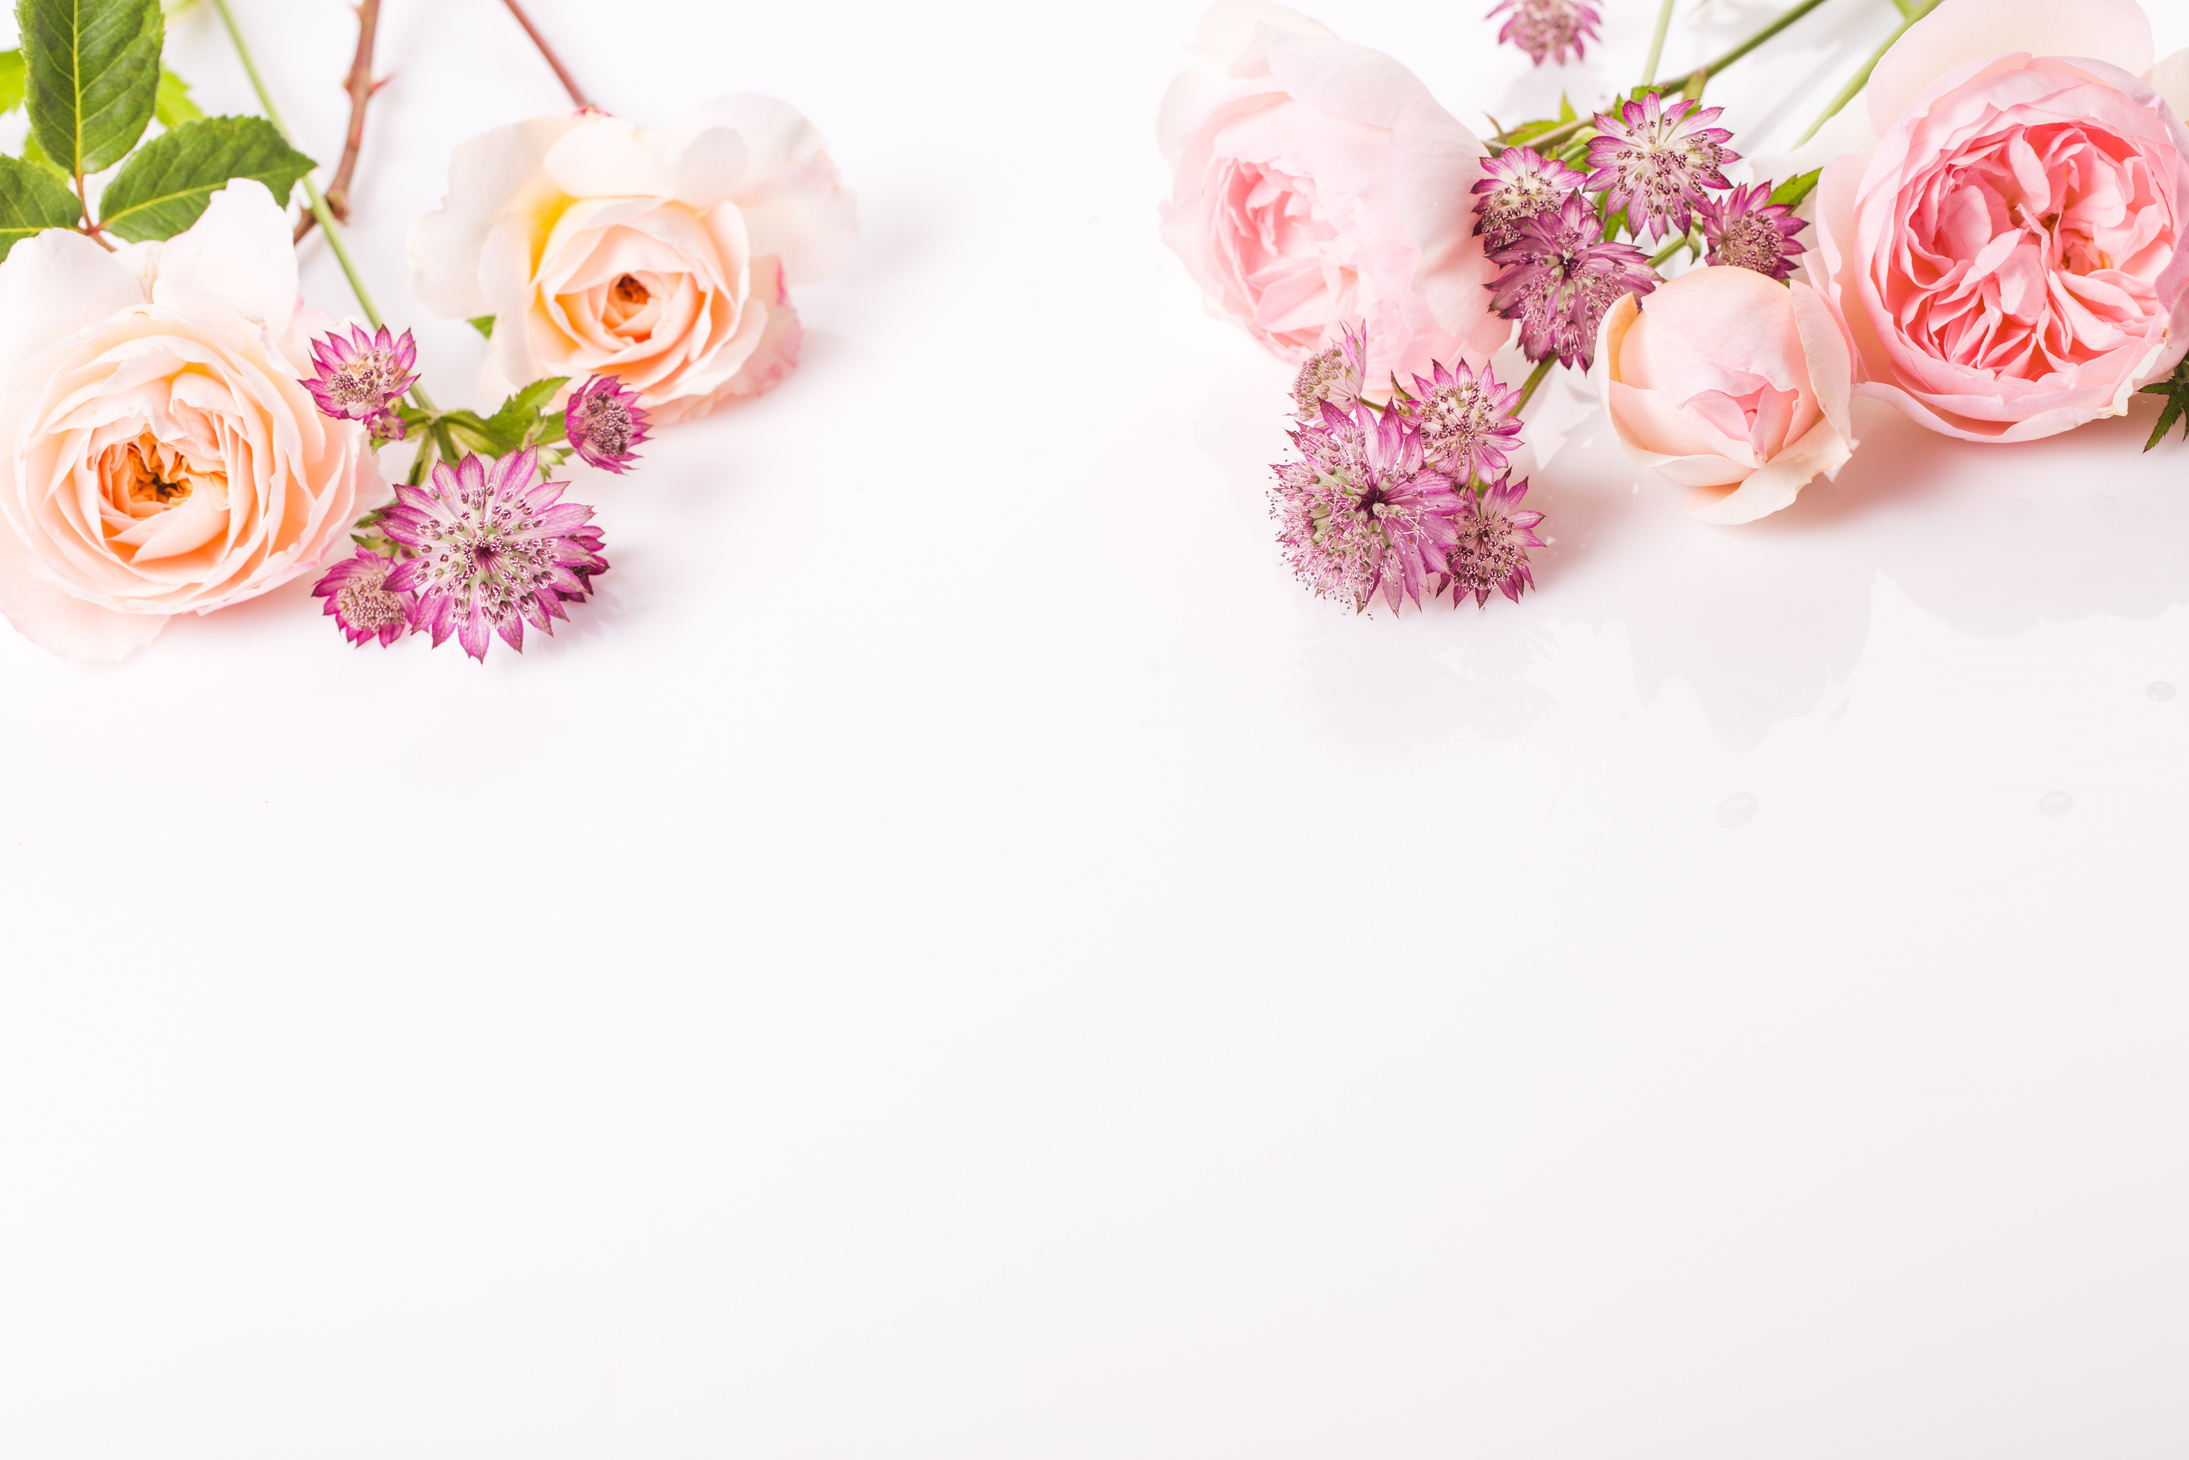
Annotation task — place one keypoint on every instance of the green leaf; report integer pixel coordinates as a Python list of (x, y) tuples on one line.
[(94, 75), (2174, 389), (484, 324), (1566, 113), (172, 103), (31, 201), (521, 412), (165, 187), (11, 80), (514, 425), (36, 157), (1791, 192)]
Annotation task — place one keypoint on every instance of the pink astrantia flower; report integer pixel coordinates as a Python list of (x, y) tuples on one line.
[(360, 377), (605, 424), (360, 602), (1748, 231), (1561, 275), (1362, 513), (1466, 421), (1491, 552), (1549, 29), (1336, 375), (1517, 184), (495, 548), (1656, 161)]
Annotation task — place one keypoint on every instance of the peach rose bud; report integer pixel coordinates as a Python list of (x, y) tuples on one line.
[(1727, 383)]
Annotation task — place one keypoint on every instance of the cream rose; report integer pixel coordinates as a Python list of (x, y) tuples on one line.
[(157, 453), (601, 247), (1732, 385)]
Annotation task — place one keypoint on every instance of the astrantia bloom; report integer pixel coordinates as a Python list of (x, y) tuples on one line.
[(496, 548), (1492, 551), (1363, 513), (1548, 29), (1748, 231), (1561, 275), (1335, 376), (359, 601), (1656, 161), (605, 423), (1517, 184), (1466, 422), (361, 376)]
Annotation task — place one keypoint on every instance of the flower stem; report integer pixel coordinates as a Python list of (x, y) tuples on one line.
[(1664, 255), (1914, 11), (360, 85), (1535, 378), (1657, 43), (554, 62), (320, 210), (1714, 67)]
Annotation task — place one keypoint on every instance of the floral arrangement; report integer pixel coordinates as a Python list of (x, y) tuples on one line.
[(1992, 240), (179, 433)]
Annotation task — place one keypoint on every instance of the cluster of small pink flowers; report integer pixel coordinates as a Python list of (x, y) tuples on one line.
[(1657, 162), (360, 377), (1747, 230), (1549, 30), (1561, 277), (1390, 501)]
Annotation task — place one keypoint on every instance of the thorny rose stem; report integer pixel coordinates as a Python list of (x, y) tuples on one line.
[(554, 61), (361, 87)]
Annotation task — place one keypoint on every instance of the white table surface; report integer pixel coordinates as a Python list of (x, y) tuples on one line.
[(954, 955)]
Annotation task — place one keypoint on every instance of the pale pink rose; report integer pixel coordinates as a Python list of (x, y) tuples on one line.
[(601, 247), (158, 454), (1730, 384), (2010, 255), (1319, 184)]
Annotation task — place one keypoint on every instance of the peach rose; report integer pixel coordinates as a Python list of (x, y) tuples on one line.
[(157, 453), (601, 247), (1731, 384), (2009, 257), (1319, 184)]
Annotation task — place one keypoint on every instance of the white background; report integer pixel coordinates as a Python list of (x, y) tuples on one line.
[(955, 955)]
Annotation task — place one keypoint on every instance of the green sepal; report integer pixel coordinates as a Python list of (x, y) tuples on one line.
[(11, 80), (1792, 192), (92, 70), (172, 103), (484, 324), (32, 200), (165, 187), (2174, 390)]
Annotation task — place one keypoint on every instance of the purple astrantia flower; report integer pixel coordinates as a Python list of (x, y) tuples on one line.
[(1749, 231), (1336, 375), (1466, 421), (360, 377), (605, 423), (1492, 550), (1362, 513), (1561, 277), (1656, 161), (360, 601), (495, 548), (1517, 184), (1548, 29)]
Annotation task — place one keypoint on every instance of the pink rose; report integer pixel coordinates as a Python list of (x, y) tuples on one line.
[(1733, 385), (601, 247), (2009, 258), (1319, 184), (158, 454)]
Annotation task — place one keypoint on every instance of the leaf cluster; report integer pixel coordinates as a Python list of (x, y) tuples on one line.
[(525, 419), (90, 77)]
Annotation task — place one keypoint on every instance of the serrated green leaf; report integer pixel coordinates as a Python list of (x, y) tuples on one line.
[(172, 103), (31, 201), (523, 408), (11, 80), (36, 157), (165, 187), (484, 324), (2174, 389), (93, 69), (1791, 192)]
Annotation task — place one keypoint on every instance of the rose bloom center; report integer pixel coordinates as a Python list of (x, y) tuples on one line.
[(145, 477)]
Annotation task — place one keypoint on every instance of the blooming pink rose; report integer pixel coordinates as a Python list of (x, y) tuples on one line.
[(1731, 384), (2010, 257), (158, 454), (1319, 184), (601, 247)]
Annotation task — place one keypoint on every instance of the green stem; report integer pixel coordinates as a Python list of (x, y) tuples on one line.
[(1657, 43), (320, 210), (1664, 255), (1714, 67), (1535, 378), (1914, 12)]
